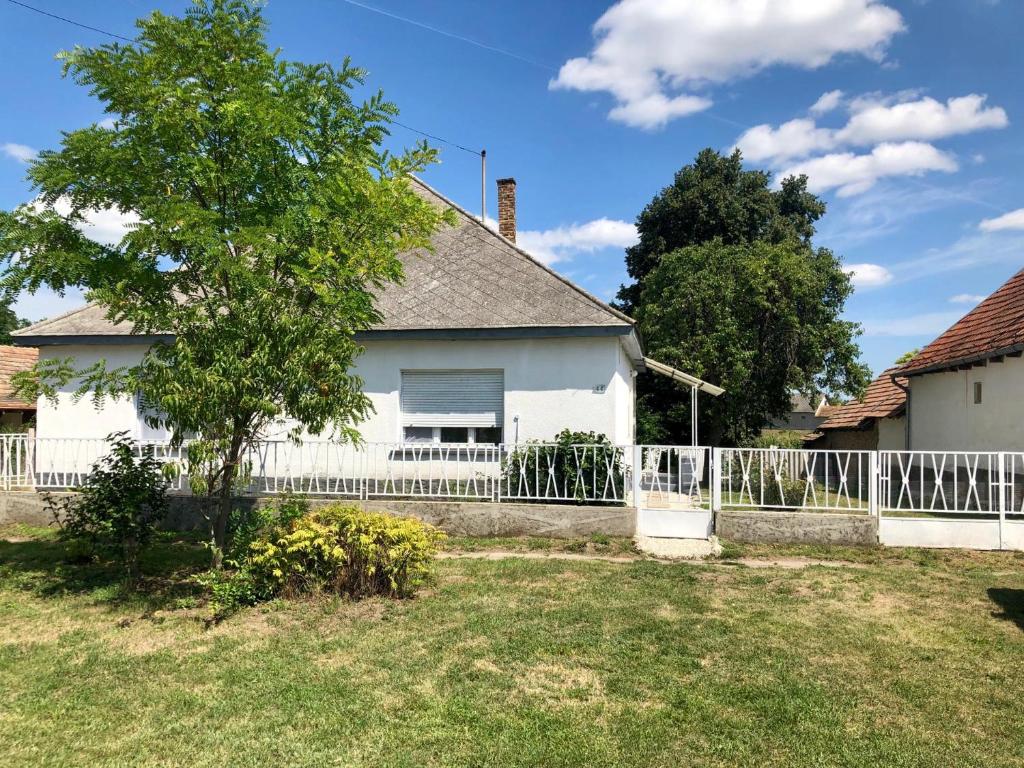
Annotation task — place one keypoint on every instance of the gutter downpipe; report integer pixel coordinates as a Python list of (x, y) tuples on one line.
[(906, 391)]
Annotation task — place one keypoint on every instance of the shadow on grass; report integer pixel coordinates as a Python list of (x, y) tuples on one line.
[(1012, 603), (50, 567)]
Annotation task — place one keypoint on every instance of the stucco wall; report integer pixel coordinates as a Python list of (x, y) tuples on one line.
[(892, 434), (945, 417), (550, 384)]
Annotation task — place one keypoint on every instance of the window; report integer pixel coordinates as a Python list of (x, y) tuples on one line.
[(977, 393), (452, 406)]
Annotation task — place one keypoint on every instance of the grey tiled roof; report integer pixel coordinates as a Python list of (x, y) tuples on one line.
[(473, 278)]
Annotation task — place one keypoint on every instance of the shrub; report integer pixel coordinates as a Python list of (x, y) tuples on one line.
[(345, 551), (246, 526), (119, 505), (789, 497), (776, 438), (581, 475)]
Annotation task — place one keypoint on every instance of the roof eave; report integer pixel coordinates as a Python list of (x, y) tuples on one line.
[(948, 365)]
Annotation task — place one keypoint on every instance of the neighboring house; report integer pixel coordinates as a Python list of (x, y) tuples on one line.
[(481, 343), (966, 387), (875, 423), (15, 412), (802, 416)]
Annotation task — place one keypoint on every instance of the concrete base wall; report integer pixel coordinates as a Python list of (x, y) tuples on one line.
[(456, 518), (796, 528)]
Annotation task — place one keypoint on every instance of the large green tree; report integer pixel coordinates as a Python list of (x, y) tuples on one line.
[(728, 285), (269, 215)]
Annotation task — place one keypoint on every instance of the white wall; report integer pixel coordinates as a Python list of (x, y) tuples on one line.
[(892, 434), (68, 418), (549, 384), (945, 417)]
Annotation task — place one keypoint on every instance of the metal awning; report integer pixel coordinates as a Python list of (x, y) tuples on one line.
[(696, 385), (684, 378)]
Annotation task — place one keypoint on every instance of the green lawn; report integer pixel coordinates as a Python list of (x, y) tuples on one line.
[(896, 659)]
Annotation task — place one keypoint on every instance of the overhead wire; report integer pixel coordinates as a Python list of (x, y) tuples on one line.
[(116, 36)]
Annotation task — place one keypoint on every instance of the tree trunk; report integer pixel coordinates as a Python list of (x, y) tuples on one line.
[(219, 522)]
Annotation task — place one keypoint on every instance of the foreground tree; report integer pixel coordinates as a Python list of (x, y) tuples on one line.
[(269, 215), (728, 286)]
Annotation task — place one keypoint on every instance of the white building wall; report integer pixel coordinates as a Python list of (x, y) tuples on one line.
[(82, 418), (892, 434), (550, 384), (945, 417)]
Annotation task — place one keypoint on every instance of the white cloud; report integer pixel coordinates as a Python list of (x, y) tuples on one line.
[(1011, 220), (868, 275), (827, 102), (852, 174), (562, 243), (929, 324), (966, 298), (874, 119), (656, 109), (19, 152), (647, 49), (797, 138), (106, 226), (925, 119)]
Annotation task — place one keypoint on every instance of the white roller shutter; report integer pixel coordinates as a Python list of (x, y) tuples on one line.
[(453, 398)]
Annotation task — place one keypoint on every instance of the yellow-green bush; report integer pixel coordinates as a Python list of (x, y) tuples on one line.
[(345, 551)]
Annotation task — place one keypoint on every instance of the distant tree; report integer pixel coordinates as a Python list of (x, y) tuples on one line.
[(715, 198), (906, 357), (9, 321), (728, 286), (759, 319), (269, 216)]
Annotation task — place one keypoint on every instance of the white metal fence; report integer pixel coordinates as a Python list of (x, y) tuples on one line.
[(939, 498), (790, 479)]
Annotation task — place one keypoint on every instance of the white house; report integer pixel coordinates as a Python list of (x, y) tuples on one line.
[(965, 388), (481, 344)]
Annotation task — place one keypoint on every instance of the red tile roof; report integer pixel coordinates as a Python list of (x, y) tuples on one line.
[(881, 400), (994, 327), (13, 360)]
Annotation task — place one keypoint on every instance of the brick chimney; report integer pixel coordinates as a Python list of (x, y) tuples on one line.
[(507, 208)]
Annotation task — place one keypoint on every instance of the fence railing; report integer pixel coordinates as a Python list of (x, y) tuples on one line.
[(789, 479), (933, 484)]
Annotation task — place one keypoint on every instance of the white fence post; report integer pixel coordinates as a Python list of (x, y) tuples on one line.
[(874, 480), (638, 468), (1002, 496), (716, 480)]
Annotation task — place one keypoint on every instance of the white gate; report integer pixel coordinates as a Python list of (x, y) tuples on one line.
[(673, 488)]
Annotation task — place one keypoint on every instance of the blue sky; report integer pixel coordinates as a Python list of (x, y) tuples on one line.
[(905, 115)]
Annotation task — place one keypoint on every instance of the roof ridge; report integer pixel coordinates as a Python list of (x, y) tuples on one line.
[(475, 220)]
